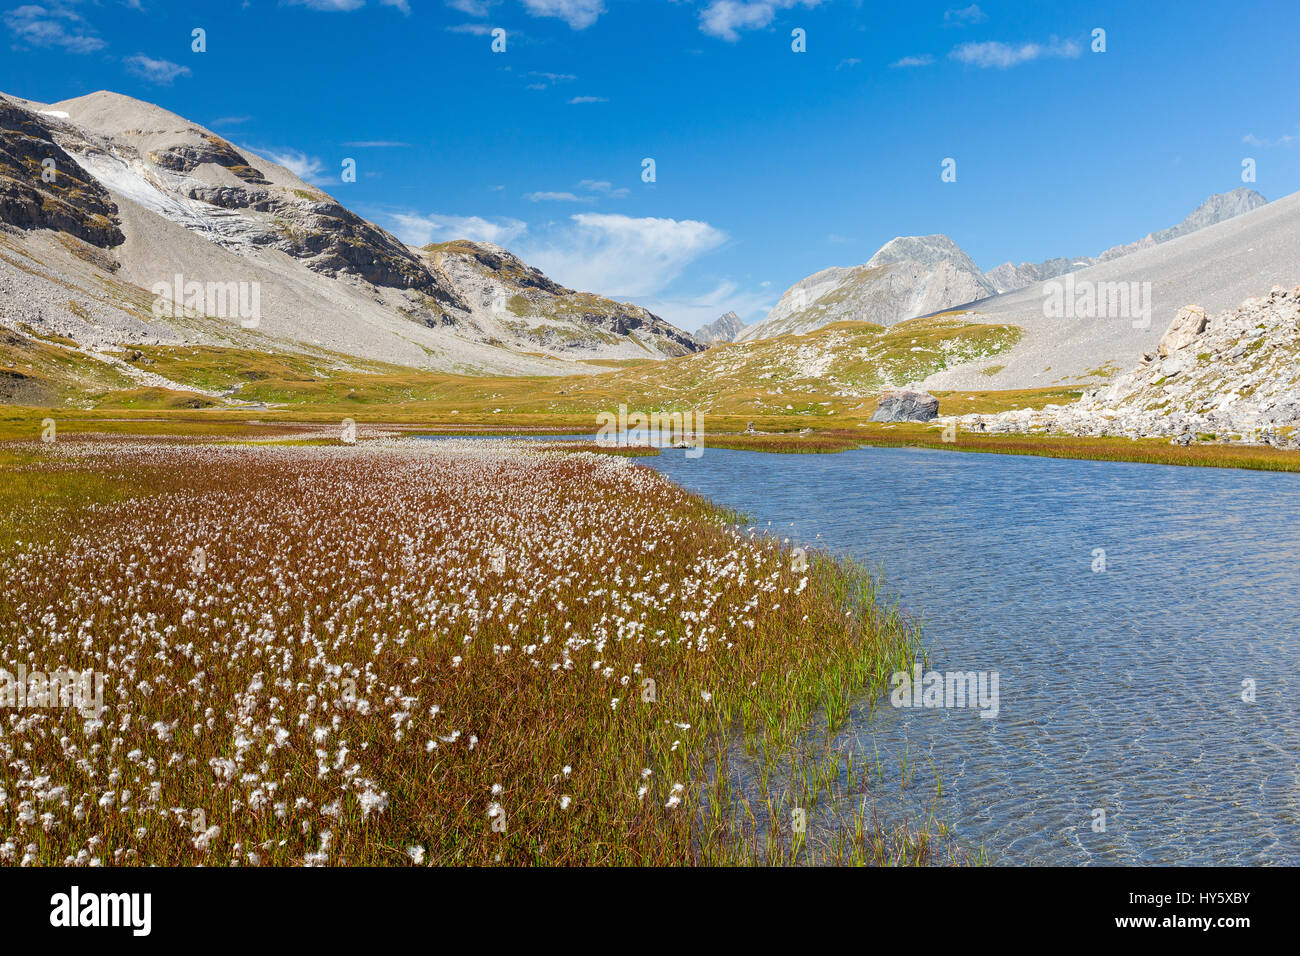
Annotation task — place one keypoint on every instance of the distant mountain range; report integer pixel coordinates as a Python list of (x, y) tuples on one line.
[(918, 275), (1219, 207), (105, 200)]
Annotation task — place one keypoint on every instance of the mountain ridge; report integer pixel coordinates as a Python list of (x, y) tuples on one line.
[(1219, 207), (138, 195)]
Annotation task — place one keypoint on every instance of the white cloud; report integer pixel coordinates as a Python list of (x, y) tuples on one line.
[(333, 6), (419, 230), (347, 6), (557, 197), (1004, 55), (54, 26), (545, 80), (911, 61), (619, 255), (588, 99), (726, 18), (603, 187), (849, 62), (578, 14), (473, 8), (307, 168), (971, 14), (1250, 139), (161, 72)]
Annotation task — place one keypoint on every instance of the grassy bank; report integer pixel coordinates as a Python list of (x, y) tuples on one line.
[(772, 434), (1152, 451), (395, 652)]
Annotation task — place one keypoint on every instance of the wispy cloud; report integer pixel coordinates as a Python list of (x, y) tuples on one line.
[(588, 99), (578, 14), (621, 255), (543, 81), (307, 168), (603, 187), (613, 255), (230, 120), (994, 54), (908, 62), (346, 6), (54, 26), (477, 29), (726, 18), (376, 144), (847, 62), (594, 189), (965, 15), (472, 8), (1286, 139), (418, 230), (160, 72), (330, 6), (557, 197)]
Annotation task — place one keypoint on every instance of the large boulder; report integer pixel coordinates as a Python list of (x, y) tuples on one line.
[(906, 406), (1187, 325)]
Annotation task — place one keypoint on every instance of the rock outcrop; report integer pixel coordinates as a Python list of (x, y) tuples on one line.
[(510, 299), (906, 406), (1234, 376), (1187, 325), (42, 187)]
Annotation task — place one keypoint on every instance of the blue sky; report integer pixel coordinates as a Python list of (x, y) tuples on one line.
[(770, 164)]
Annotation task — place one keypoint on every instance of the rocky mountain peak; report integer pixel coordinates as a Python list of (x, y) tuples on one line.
[(926, 251), (724, 328), (909, 276)]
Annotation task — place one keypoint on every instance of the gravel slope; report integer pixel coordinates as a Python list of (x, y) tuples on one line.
[(1216, 267)]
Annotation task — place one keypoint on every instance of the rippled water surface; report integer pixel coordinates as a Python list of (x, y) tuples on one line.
[(1121, 690)]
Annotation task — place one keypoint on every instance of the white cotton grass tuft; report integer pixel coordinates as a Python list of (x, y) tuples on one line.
[(321, 683)]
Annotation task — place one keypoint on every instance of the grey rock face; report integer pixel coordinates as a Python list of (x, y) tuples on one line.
[(906, 406), (724, 328), (71, 201)]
